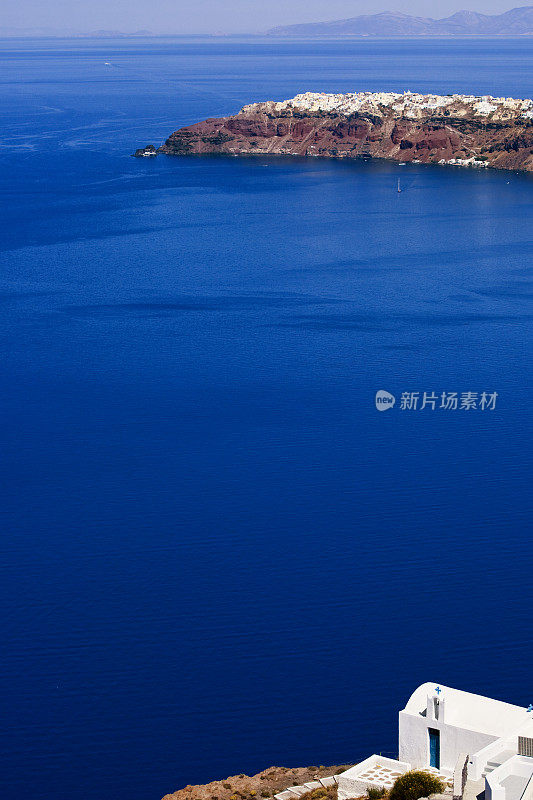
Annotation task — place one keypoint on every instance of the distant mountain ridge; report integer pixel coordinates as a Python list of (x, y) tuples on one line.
[(517, 21), (59, 33)]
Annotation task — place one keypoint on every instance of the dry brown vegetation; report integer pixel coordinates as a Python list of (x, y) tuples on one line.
[(262, 786), (322, 793)]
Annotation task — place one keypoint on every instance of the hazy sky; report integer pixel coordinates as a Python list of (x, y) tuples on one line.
[(212, 16)]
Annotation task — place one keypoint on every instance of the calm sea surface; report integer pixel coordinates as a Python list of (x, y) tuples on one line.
[(217, 555)]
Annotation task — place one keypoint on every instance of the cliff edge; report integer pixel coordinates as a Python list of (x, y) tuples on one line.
[(453, 129), (257, 787)]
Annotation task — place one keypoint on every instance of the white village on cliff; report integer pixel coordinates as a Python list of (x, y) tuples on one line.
[(407, 104)]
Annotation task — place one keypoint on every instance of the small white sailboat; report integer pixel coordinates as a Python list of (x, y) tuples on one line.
[(399, 187)]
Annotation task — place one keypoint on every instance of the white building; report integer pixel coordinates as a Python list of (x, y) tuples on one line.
[(476, 744)]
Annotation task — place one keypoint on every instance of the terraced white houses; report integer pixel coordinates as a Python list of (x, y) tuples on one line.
[(407, 104)]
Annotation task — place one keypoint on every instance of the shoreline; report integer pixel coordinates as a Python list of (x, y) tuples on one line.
[(352, 160)]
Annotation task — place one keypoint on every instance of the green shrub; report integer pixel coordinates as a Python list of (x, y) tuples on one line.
[(321, 794), (414, 784), (218, 138), (375, 792), (317, 794)]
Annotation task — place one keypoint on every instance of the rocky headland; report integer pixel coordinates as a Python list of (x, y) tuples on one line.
[(453, 129)]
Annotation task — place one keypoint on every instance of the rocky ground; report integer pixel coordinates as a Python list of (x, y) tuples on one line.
[(256, 787), (407, 128)]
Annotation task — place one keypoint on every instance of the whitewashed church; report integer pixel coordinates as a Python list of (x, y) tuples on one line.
[(477, 745)]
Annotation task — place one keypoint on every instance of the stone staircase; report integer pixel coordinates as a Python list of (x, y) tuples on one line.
[(293, 792), (497, 761)]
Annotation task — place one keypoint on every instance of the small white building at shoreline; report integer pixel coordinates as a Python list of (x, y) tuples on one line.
[(475, 744)]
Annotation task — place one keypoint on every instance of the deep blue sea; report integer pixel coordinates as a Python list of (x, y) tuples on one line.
[(217, 554)]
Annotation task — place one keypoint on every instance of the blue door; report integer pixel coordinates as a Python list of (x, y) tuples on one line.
[(434, 748)]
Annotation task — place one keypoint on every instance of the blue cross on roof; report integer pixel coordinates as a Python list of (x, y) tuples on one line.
[(439, 690)]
